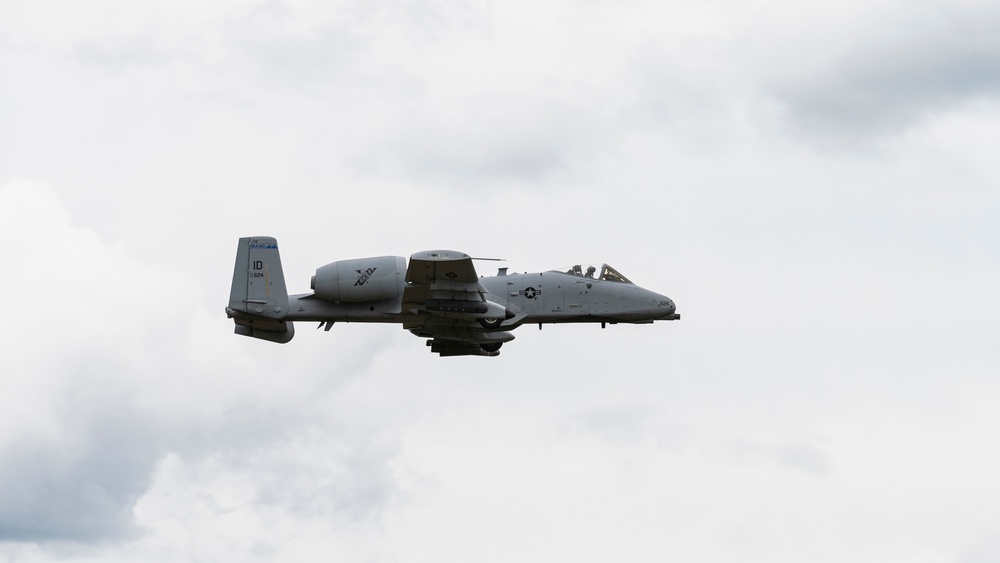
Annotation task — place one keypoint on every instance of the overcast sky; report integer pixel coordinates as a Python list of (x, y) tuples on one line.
[(814, 184)]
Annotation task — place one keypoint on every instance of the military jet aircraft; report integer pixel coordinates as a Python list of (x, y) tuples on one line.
[(437, 296)]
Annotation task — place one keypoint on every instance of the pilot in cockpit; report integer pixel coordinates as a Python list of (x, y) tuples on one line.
[(590, 272)]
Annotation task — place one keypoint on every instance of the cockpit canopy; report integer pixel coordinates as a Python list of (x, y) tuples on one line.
[(592, 271)]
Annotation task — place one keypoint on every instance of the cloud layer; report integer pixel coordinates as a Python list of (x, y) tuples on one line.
[(814, 186)]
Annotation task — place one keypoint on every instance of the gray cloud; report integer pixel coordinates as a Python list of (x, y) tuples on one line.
[(802, 456), (83, 486), (494, 138), (123, 54), (85, 494), (911, 70), (985, 550), (112, 390), (345, 478), (624, 424)]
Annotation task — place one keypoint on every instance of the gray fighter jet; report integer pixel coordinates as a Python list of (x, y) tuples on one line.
[(437, 296)]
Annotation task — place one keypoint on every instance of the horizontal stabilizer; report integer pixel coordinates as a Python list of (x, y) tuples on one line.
[(280, 331)]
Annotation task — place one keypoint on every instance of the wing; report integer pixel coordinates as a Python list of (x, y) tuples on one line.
[(441, 265), (450, 306), (443, 281)]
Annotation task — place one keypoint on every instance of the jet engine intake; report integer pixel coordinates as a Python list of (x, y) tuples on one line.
[(362, 279)]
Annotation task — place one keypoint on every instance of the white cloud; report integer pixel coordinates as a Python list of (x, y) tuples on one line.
[(75, 450), (113, 374)]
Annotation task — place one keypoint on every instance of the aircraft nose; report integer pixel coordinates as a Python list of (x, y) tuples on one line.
[(665, 306)]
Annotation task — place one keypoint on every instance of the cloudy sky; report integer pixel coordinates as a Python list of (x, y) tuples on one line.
[(815, 185)]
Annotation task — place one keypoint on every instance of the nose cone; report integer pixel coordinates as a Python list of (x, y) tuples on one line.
[(663, 308), (668, 307), (644, 305)]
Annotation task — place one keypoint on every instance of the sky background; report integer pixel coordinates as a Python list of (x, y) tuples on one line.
[(814, 184)]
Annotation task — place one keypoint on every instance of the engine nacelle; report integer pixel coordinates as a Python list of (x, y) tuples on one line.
[(363, 279)]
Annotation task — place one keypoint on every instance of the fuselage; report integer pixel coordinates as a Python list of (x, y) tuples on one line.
[(553, 297), (542, 297)]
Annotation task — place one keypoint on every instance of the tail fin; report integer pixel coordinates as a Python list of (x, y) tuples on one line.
[(258, 300)]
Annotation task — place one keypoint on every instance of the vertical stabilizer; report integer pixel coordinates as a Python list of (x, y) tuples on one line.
[(258, 300)]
